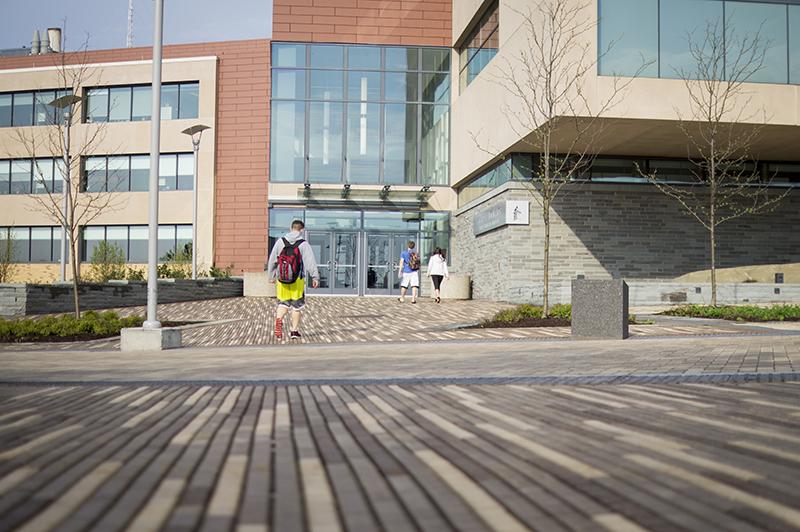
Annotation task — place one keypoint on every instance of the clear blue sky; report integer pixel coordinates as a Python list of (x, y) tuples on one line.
[(106, 21)]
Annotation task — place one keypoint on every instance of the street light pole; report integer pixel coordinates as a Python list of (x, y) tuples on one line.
[(155, 150), (196, 132), (66, 104)]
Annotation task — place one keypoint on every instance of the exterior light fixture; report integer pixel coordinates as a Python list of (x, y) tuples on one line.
[(65, 103), (425, 188), (196, 132), (346, 190), (306, 189)]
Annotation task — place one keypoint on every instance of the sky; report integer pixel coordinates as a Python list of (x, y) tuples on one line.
[(105, 22)]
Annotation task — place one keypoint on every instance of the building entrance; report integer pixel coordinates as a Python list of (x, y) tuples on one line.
[(382, 256), (337, 255)]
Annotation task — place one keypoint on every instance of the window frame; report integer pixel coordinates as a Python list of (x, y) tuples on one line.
[(130, 88)]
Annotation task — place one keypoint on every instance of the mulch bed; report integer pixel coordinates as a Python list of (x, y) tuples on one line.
[(527, 322)]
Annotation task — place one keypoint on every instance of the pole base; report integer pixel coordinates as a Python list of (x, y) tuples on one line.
[(141, 339)]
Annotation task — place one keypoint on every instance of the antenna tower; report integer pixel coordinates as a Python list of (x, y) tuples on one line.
[(130, 24)]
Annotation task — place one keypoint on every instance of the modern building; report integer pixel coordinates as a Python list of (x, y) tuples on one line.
[(379, 122)]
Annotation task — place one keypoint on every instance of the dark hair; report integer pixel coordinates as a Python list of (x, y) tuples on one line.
[(440, 251), (411, 244), (298, 224)]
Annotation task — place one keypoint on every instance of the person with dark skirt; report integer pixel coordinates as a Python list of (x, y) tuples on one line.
[(437, 270)]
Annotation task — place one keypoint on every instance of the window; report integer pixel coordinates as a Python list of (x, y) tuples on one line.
[(42, 176), (133, 103), (659, 31), (33, 244), (628, 35), (21, 176), (6, 101), (360, 114), (131, 173), (26, 176), (132, 239), (480, 46), (23, 109), (29, 108)]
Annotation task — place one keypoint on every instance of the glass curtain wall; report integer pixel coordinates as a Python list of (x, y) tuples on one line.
[(658, 33), (360, 114), (481, 46)]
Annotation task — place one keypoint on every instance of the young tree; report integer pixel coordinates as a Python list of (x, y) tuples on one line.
[(7, 264), (721, 128), (550, 108), (64, 138)]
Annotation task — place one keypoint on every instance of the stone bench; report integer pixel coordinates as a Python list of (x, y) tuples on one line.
[(599, 309)]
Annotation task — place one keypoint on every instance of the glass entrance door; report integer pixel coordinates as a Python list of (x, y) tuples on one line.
[(382, 256), (337, 259)]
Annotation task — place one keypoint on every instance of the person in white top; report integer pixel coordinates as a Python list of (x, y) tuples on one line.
[(437, 270)]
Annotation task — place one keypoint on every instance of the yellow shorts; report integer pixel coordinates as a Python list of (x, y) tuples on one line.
[(291, 295)]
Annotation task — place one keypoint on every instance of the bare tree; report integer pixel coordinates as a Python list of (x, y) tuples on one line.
[(65, 140), (549, 107), (7, 264), (721, 129)]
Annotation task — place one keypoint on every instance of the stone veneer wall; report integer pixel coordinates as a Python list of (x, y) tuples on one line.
[(27, 299), (605, 231)]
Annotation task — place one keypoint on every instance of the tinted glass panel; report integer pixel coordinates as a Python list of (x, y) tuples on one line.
[(137, 244), (5, 169), (118, 174), (401, 86), (327, 84), (287, 152), (44, 113), (366, 57), (628, 33), (59, 172), (118, 236), (400, 144), (5, 110), (92, 236), (327, 56), (682, 20), (167, 172), (42, 176), (169, 102), (21, 238), (316, 220), (183, 235), (95, 174), (189, 100), (363, 142), (56, 244), (21, 177), (435, 144), (747, 21), (288, 55), (399, 58), (120, 106), (142, 103), (97, 105), (325, 142), (289, 84), (794, 48), (185, 171), (436, 59), (436, 88), (363, 85), (140, 173), (23, 109), (166, 241)]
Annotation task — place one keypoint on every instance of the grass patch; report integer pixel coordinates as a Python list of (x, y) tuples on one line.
[(90, 326), (532, 316), (738, 313)]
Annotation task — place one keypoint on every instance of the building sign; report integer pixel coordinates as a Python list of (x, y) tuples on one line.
[(504, 213)]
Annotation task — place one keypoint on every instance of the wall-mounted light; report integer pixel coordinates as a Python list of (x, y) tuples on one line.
[(346, 190), (425, 188), (385, 191)]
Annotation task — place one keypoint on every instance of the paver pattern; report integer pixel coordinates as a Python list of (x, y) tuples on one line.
[(400, 457), (332, 320)]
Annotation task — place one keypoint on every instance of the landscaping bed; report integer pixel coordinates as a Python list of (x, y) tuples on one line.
[(523, 316), (66, 328), (738, 313)]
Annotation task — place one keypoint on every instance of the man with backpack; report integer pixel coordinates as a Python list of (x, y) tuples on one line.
[(290, 263), (408, 270)]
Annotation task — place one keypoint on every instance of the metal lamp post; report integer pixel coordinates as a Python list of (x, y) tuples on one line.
[(196, 132), (66, 102), (151, 322)]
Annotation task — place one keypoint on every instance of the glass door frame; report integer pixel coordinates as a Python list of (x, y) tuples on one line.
[(331, 265), (397, 244)]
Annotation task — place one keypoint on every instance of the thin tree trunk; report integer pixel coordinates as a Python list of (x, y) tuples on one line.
[(713, 233), (73, 248), (546, 265)]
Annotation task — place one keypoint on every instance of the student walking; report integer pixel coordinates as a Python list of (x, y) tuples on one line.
[(408, 270), (437, 270), (290, 263)]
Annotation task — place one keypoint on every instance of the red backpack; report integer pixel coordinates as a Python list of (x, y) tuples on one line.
[(290, 262)]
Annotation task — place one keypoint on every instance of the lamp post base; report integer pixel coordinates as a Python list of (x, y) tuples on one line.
[(141, 339)]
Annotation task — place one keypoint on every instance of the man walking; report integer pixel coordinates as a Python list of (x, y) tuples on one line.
[(408, 270), (290, 262)]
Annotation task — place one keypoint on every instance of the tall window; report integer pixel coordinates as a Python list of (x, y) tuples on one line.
[(360, 114), (31, 176), (131, 173), (133, 103), (659, 32), (480, 46), (33, 244)]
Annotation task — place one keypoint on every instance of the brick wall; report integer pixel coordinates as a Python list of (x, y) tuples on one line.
[(606, 231), (411, 22), (242, 137)]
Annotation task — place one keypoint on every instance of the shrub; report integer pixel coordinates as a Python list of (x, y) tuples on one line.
[(135, 274), (562, 311), (221, 273), (176, 265), (739, 313), (108, 262), (91, 324)]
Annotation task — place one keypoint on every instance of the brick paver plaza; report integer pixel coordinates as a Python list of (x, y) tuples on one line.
[(658, 432)]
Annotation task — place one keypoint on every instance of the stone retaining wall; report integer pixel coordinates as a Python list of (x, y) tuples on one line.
[(27, 299)]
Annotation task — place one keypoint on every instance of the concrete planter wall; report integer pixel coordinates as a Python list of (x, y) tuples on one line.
[(27, 299)]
